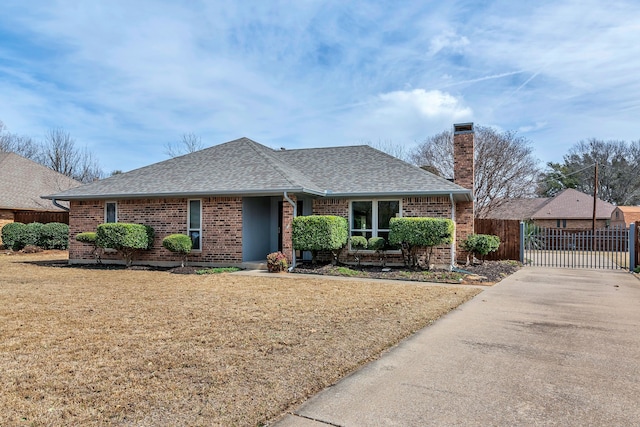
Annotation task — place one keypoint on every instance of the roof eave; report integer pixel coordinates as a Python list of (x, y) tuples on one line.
[(459, 195), (245, 193)]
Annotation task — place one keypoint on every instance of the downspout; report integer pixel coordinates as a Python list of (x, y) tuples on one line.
[(295, 214), (58, 205), (453, 243)]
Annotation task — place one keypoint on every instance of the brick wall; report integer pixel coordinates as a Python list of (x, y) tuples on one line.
[(436, 207), (287, 219), (221, 227)]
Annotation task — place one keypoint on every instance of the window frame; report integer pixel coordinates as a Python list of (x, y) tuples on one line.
[(374, 230), (115, 205), (192, 229)]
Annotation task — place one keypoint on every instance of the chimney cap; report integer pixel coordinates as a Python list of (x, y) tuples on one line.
[(460, 128)]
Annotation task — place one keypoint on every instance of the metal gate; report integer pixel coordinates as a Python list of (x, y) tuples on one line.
[(606, 248)]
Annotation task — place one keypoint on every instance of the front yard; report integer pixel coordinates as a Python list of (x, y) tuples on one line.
[(117, 347)]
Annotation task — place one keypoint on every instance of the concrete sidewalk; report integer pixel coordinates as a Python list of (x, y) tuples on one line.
[(543, 347)]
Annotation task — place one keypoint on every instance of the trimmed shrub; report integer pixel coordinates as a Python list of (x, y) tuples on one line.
[(12, 235), (419, 234), (320, 233), (88, 237), (179, 244), (126, 238), (378, 244), (358, 243), (55, 235), (31, 235), (91, 238), (277, 262), (480, 245)]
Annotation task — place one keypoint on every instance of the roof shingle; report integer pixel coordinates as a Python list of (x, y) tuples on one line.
[(244, 167)]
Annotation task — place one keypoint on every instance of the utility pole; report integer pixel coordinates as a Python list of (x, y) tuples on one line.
[(595, 199)]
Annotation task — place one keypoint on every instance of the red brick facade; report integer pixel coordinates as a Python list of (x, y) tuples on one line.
[(436, 207), (221, 227)]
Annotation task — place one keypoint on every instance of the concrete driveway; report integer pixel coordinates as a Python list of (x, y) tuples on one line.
[(543, 347)]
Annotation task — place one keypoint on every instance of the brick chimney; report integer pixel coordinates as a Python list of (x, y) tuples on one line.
[(463, 155), (463, 175)]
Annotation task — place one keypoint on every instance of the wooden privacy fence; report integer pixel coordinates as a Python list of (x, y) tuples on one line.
[(509, 233), (27, 217), (636, 239)]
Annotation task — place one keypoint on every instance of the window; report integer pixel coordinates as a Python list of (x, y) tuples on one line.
[(370, 218), (194, 224), (110, 212)]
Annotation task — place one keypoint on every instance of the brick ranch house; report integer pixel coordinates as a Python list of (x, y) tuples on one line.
[(237, 200), (22, 183)]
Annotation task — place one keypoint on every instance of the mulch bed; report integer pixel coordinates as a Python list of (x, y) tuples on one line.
[(487, 273)]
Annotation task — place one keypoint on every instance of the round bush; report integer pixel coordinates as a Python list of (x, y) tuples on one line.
[(88, 237), (32, 235), (12, 235), (54, 235), (376, 243), (358, 242), (178, 243)]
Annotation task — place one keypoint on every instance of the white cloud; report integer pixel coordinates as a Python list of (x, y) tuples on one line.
[(447, 40)]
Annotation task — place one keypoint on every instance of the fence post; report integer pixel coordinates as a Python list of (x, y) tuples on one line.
[(632, 246), (522, 242)]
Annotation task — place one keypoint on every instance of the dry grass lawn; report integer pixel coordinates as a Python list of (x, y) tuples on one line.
[(147, 348)]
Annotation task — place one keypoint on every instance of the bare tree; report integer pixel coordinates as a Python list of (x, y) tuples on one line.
[(392, 148), (189, 143), (504, 165), (21, 145), (59, 152)]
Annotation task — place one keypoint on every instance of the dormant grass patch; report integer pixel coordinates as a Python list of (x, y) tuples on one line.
[(116, 347)]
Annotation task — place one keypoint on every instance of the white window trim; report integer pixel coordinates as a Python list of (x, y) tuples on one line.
[(189, 230), (105, 209), (374, 220)]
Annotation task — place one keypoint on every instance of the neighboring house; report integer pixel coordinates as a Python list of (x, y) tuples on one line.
[(570, 209), (625, 215), (22, 183), (237, 200)]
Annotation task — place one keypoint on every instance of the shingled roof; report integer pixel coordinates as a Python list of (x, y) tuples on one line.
[(573, 204), (520, 208), (244, 167), (23, 182)]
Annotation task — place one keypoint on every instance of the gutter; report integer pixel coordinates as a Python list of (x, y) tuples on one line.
[(295, 214), (58, 205)]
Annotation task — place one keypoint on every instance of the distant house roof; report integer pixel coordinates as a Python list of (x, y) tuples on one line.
[(629, 214), (573, 204), (568, 204), (520, 209), (244, 167), (23, 182)]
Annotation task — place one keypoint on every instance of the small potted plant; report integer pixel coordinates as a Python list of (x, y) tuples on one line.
[(277, 262)]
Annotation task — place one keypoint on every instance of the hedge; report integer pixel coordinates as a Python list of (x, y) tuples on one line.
[(54, 235), (126, 238), (419, 234), (320, 233), (11, 235)]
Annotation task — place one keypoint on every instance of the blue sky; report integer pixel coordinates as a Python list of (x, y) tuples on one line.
[(126, 77)]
